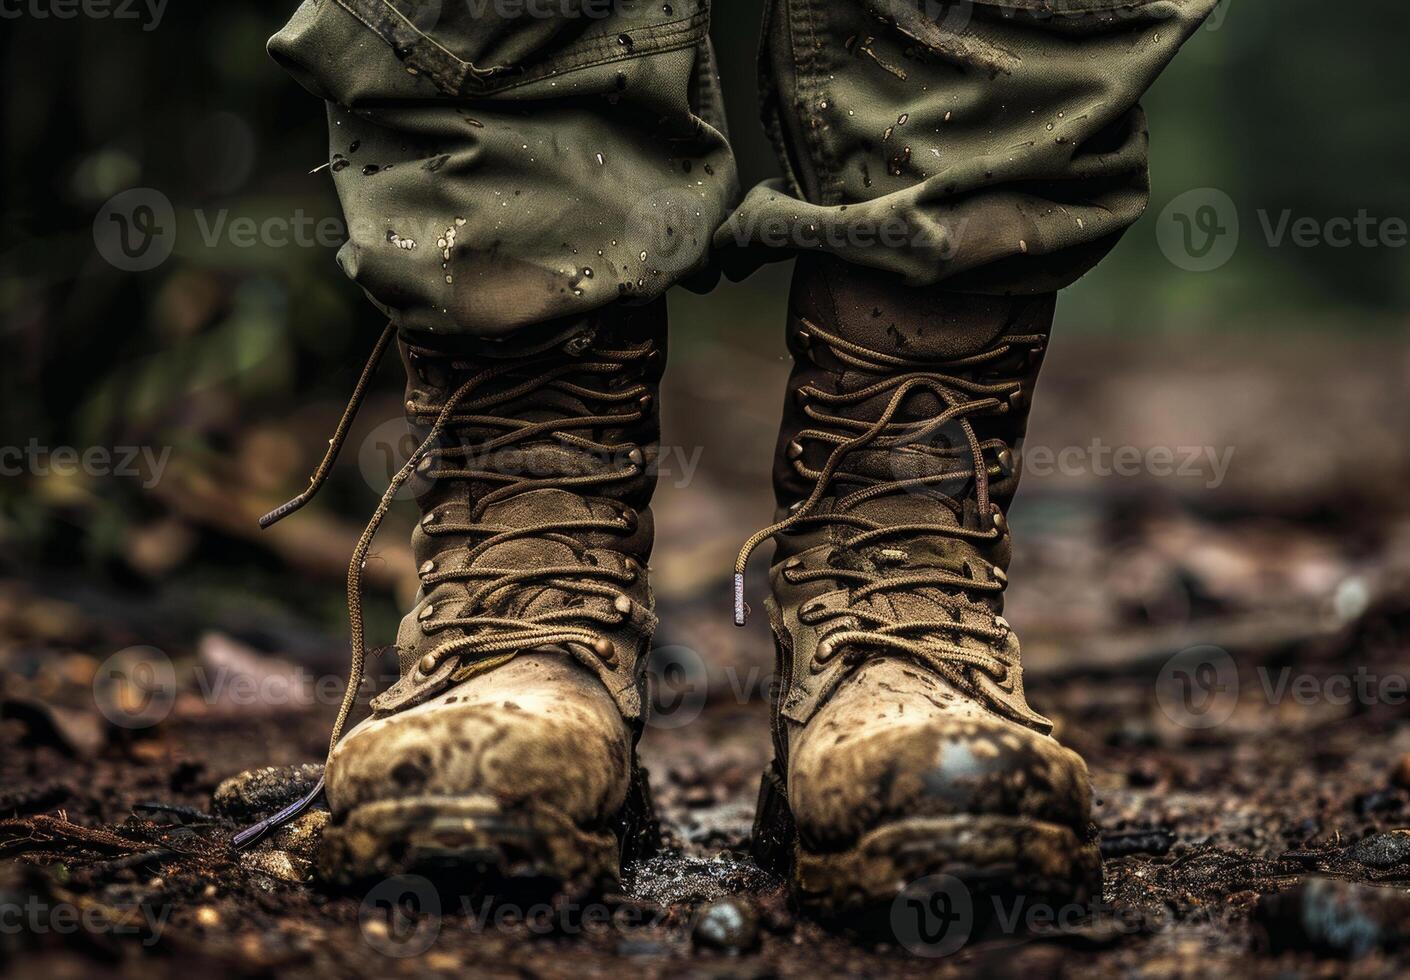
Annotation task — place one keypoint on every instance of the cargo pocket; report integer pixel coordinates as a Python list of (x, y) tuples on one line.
[(478, 47)]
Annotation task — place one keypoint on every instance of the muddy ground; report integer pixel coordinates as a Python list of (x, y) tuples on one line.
[(1252, 828)]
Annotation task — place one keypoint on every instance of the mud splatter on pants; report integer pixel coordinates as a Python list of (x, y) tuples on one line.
[(506, 162)]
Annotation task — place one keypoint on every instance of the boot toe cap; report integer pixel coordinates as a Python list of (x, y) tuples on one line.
[(549, 735), (863, 762)]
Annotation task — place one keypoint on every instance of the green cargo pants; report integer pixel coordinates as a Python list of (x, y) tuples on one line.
[(506, 162)]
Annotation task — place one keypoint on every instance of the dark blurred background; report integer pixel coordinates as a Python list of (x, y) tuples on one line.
[(1256, 378), (226, 366)]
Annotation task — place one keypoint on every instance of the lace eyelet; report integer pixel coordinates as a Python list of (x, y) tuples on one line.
[(428, 664), (604, 650), (826, 651), (427, 567)]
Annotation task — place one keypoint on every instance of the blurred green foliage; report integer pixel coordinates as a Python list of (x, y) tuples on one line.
[(1290, 106)]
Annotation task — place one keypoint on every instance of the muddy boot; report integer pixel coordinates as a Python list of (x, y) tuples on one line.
[(904, 745), (506, 750)]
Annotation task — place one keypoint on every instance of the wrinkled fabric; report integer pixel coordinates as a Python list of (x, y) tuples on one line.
[(508, 162)]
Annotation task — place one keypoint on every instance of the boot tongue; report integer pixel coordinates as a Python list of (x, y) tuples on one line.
[(534, 507), (906, 553)]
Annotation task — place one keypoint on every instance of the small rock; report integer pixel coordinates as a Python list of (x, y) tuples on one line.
[(730, 925), (278, 864), (257, 793), (1367, 805), (1400, 775), (1382, 850), (301, 837), (1326, 915), (1123, 843)]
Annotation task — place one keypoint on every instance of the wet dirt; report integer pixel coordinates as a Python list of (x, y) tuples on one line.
[(1271, 842)]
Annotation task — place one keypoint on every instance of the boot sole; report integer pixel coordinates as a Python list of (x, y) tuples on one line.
[(475, 840), (998, 861)]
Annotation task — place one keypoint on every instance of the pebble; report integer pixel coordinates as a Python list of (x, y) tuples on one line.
[(730, 925), (1382, 850), (301, 836), (1343, 918), (278, 864)]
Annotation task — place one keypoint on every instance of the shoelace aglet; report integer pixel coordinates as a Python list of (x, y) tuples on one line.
[(741, 608), (254, 832), (284, 510)]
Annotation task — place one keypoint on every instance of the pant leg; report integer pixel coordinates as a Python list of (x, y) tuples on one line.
[(994, 145), (506, 162)]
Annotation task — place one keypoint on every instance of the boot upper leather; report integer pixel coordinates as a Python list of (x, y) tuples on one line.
[(902, 691)]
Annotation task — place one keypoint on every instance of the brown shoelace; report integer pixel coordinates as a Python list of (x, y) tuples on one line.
[(471, 406), (864, 626)]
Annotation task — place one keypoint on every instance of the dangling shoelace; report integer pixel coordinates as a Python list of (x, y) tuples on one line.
[(530, 371), (863, 623)]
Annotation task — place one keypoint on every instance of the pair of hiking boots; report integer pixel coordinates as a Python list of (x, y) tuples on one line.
[(904, 744)]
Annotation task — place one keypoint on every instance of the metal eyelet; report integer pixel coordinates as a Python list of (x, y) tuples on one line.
[(428, 664), (427, 567), (604, 650), (427, 611), (1001, 523)]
